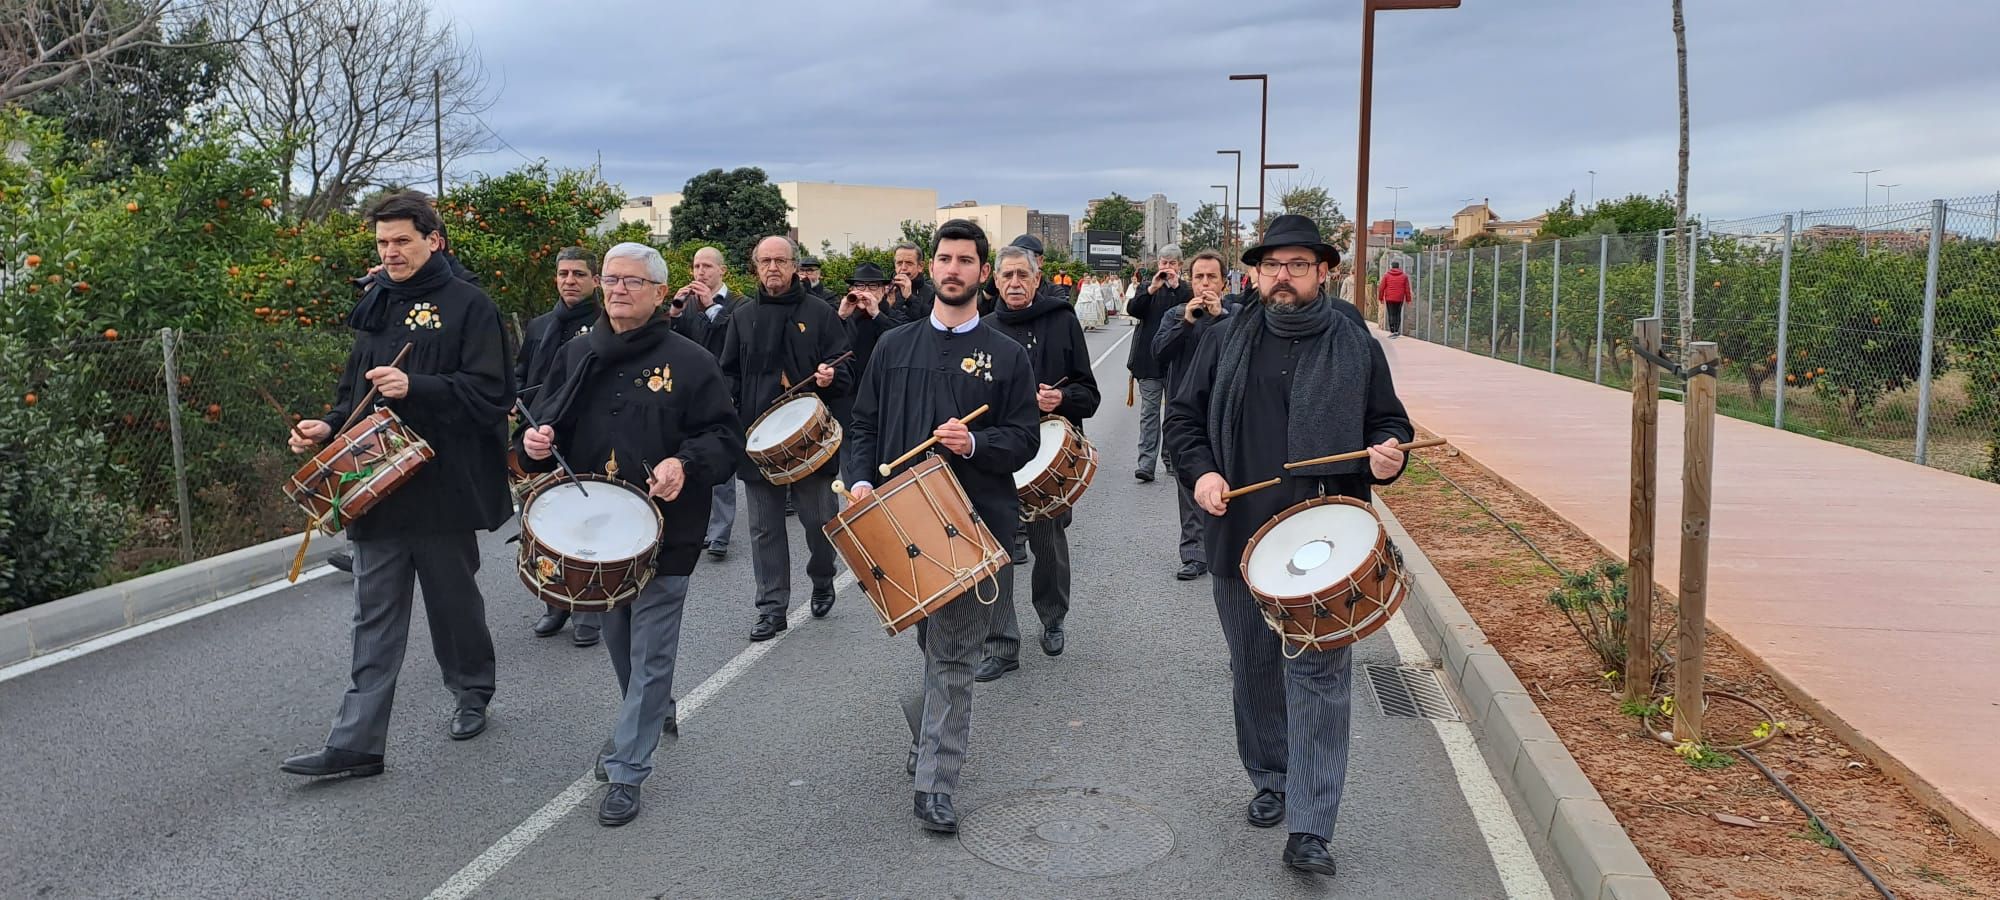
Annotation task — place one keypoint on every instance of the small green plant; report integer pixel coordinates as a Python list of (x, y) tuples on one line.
[(1638, 710), (1817, 833), (1700, 756)]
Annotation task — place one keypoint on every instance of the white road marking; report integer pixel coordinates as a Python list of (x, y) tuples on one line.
[(1114, 345), (145, 628), (1520, 874)]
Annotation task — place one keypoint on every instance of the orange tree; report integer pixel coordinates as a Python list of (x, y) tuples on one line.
[(507, 229)]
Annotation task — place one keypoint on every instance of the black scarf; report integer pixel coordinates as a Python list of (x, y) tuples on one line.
[(570, 318), (1042, 305), (371, 314), (768, 346), (1329, 388), (603, 346)]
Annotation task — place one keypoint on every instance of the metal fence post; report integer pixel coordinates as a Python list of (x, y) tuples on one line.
[(1930, 331), (172, 379), (1659, 273), (1465, 339), (1521, 313), (1493, 336), (1597, 348), (1784, 324), (1447, 299), (1555, 293)]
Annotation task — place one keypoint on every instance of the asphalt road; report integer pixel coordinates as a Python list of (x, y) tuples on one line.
[(148, 769)]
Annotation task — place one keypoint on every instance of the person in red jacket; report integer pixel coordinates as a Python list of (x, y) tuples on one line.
[(1394, 291)]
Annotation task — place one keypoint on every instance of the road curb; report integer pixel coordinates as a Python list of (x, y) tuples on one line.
[(1562, 805), (48, 627)]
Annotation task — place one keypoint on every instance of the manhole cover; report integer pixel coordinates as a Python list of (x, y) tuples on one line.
[(1073, 833)]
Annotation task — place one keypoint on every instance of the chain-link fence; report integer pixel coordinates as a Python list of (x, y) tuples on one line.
[(1875, 327), (185, 435)]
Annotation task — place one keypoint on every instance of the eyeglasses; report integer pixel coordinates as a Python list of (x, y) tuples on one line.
[(629, 282), (1297, 268), (770, 261)]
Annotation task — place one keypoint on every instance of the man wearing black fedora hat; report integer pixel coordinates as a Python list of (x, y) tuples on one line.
[(868, 312), (809, 275), (1289, 377)]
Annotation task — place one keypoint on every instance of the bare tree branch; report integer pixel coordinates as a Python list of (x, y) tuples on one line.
[(46, 44)]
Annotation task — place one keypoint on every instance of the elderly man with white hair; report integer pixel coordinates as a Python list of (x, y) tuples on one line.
[(636, 391)]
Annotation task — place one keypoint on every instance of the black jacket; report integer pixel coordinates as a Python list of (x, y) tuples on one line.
[(1175, 343), (1150, 308), (917, 306), (647, 395), (864, 331), (461, 387), (544, 337), (775, 342), (1053, 336), (693, 323)]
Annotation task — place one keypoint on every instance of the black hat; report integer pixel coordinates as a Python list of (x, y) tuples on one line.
[(867, 273), (807, 262), (1029, 243), (1292, 230)]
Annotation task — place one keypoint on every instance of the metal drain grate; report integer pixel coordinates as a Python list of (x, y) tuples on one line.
[(1079, 833), (1410, 692)]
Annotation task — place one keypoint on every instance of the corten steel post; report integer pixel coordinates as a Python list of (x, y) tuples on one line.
[(1236, 212), (1226, 235), (1263, 134), (1368, 8)]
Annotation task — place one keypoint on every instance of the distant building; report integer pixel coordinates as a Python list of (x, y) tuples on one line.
[(1480, 219), (1002, 222), (1397, 231), (842, 215), (1163, 224), (1052, 229)]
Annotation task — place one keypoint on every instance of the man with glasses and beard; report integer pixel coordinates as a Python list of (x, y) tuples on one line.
[(923, 379), (777, 339), (575, 312), (1287, 378)]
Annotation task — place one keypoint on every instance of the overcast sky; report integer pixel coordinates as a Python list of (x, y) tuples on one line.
[(1051, 104)]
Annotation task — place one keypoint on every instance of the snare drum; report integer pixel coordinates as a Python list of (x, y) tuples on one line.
[(1052, 482), (915, 544), (588, 552), (523, 482), (1324, 573), (358, 468), (793, 439)]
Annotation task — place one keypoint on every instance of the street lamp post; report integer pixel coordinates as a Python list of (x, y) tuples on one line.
[(1368, 8), (1225, 219), (1888, 195), (1263, 134), (1235, 212), (1395, 209), (1865, 194), (1593, 187)]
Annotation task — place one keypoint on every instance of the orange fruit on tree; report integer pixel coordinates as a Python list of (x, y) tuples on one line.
[(235, 271), (208, 227), (220, 203), (34, 260), (110, 334), (249, 192), (34, 289), (132, 207), (83, 287), (31, 399), (268, 202)]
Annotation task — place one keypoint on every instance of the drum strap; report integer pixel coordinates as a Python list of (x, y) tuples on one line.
[(340, 490)]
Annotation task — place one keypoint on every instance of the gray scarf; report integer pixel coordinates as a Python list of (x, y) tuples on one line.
[(1329, 388)]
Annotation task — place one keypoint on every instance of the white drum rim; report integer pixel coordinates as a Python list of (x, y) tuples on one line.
[(1054, 435), (779, 423)]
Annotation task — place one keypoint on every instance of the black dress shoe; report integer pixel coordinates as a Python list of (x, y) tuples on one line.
[(340, 559), (934, 810), (822, 602), (467, 723), (333, 761), (993, 667), (1143, 476), (910, 765), (1267, 808), (619, 806), (585, 635), (1191, 570), (767, 627), (672, 728), (717, 549), (597, 769), (551, 622), (1052, 641), (1308, 853)]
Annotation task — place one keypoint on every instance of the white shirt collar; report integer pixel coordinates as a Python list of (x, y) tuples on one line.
[(962, 329)]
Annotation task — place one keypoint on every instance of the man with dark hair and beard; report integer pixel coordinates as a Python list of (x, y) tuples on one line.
[(925, 376), (909, 289), (1181, 331), (777, 339), (635, 393), (1044, 324), (1287, 378), (576, 310), (453, 390)]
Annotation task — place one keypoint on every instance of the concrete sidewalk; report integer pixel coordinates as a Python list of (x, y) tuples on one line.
[(1870, 587)]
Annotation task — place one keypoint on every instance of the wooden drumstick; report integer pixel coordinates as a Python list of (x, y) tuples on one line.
[(840, 487), (809, 378), (1250, 489), (890, 466), (279, 408), (563, 463), (369, 397), (1362, 454)]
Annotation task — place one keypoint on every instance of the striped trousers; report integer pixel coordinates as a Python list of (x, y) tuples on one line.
[(1291, 714)]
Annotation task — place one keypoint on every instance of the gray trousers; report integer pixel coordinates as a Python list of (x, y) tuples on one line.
[(1291, 714), (722, 513), (1048, 586), (386, 574), (1192, 516), (1152, 396), (644, 639), (771, 557), (940, 716)]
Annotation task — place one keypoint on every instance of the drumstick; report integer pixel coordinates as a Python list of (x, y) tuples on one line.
[(299, 558), (808, 379), (1131, 382), (840, 487), (566, 470), (1359, 454), (279, 408), (890, 466), (369, 397), (1250, 489)]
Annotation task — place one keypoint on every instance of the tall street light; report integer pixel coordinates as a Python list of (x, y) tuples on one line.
[(1225, 218), (1865, 194), (1263, 134), (1235, 212), (1593, 187), (1395, 208), (1888, 194), (1368, 8)]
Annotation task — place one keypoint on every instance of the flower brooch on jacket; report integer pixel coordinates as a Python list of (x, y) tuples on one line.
[(978, 365), (660, 380), (423, 315)]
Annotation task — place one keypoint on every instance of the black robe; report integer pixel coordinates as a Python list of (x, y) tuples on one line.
[(649, 394), (1176, 341), (923, 296), (461, 387), (544, 337), (1053, 336), (775, 342), (865, 331), (693, 322), (1150, 308), (1266, 412), (920, 377)]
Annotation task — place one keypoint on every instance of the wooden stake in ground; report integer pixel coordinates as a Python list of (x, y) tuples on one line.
[(1645, 494), (1697, 473)]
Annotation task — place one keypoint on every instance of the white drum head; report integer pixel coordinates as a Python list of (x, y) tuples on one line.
[(1312, 550), (782, 422), (1053, 431), (614, 522)]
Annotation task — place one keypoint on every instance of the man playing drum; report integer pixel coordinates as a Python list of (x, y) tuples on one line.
[(923, 378), (453, 390), (776, 339), (576, 310), (1045, 325), (637, 392), (1288, 378)]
